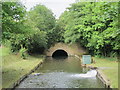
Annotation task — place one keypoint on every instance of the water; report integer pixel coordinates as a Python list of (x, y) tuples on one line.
[(89, 74), (62, 73)]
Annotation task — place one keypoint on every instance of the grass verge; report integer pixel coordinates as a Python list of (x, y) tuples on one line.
[(14, 67), (109, 69)]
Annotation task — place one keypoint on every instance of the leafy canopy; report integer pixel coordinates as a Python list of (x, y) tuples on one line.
[(94, 25)]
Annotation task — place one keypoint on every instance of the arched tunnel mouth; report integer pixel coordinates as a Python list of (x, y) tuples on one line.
[(60, 54)]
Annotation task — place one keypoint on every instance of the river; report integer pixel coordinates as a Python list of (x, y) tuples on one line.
[(62, 73)]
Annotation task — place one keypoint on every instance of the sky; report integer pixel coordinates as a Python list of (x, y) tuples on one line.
[(57, 6)]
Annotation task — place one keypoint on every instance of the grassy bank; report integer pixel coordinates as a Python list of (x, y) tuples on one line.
[(14, 67), (109, 67)]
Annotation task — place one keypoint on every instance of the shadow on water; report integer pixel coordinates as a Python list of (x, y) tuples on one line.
[(62, 72), (60, 58)]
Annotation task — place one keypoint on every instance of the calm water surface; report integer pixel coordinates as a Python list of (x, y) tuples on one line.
[(61, 73)]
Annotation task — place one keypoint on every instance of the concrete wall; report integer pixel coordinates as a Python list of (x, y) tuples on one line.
[(73, 49)]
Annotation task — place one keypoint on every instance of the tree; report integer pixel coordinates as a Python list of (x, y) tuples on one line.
[(94, 25), (18, 31), (42, 19), (12, 18)]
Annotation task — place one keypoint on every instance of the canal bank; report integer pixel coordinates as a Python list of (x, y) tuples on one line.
[(15, 69), (62, 73), (26, 75), (107, 70)]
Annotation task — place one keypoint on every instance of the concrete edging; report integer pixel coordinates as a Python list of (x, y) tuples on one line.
[(100, 75), (103, 78)]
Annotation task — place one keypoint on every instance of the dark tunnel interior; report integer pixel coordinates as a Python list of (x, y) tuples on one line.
[(59, 53)]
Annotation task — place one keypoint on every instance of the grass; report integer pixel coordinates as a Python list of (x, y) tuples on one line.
[(110, 70), (14, 67), (4, 51)]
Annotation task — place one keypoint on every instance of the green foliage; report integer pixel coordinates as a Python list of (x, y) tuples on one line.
[(28, 29), (14, 30), (94, 25), (12, 18), (41, 19), (6, 43), (37, 42), (18, 40), (23, 53)]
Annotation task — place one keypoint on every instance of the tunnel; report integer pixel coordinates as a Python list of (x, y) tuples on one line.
[(60, 53)]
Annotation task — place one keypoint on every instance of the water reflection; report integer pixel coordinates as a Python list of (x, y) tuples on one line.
[(60, 58)]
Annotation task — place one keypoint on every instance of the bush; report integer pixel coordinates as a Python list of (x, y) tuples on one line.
[(23, 53), (37, 42), (18, 40)]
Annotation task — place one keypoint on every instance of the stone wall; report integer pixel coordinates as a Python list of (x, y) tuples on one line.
[(71, 49)]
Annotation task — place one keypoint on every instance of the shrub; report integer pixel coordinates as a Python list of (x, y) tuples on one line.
[(23, 53)]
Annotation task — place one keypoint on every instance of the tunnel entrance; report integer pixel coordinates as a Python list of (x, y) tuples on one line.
[(59, 53)]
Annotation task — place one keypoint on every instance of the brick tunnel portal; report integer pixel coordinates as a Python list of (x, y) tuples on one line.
[(62, 49)]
